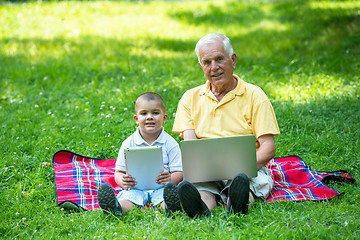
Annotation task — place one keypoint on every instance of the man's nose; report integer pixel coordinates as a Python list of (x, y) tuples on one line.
[(214, 65)]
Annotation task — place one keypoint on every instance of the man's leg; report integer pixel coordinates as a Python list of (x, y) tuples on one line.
[(262, 185), (209, 199), (238, 194), (191, 201)]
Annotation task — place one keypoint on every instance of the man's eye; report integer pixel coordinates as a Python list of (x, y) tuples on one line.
[(220, 59), (207, 63)]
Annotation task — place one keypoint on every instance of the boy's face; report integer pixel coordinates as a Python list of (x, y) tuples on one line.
[(150, 116)]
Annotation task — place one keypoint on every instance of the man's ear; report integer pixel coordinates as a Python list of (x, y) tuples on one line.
[(136, 119), (233, 58), (201, 66)]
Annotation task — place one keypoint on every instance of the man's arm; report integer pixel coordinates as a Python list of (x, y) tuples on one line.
[(189, 134), (266, 151)]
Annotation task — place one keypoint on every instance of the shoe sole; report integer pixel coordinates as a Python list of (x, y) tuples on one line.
[(191, 200), (71, 206), (107, 198), (239, 194), (171, 197)]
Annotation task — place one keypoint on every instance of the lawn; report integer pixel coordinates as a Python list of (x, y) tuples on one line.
[(71, 71)]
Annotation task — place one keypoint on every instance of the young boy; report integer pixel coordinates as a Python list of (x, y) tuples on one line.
[(150, 116)]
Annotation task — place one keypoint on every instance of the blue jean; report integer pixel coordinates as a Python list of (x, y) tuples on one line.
[(142, 197)]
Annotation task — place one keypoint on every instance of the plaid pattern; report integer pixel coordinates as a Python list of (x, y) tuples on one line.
[(77, 178), (295, 181)]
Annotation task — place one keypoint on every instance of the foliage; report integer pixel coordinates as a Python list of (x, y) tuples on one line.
[(70, 72)]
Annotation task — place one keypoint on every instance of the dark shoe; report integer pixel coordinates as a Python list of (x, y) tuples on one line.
[(191, 200), (171, 199), (239, 194), (107, 199), (71, 206)]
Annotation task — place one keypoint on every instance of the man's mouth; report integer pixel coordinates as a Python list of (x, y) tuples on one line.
[(216, 75)]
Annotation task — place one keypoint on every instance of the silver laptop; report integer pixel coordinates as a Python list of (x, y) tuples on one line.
[(144, 164), (215, 159)]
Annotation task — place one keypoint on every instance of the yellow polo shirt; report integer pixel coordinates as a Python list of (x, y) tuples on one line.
[(243, 111)]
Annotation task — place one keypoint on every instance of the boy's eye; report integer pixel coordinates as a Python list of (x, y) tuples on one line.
[(143, 113), (156, 113)]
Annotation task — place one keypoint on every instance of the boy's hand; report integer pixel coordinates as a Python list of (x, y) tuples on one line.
[(128, 181), (163, 178)]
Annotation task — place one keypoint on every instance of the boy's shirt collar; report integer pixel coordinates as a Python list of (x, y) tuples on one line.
[(140, 141)]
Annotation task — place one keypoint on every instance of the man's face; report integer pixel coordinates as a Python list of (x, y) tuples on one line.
[(217, 65)]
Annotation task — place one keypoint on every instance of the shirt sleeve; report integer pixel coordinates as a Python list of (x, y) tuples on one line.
[(120, 162), (183, 118), (174, 155), (264, 119)]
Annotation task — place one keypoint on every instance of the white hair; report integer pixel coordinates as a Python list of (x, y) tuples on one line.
[(211, 38)]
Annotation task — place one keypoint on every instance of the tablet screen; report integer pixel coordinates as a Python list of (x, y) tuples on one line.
[(144, 164)]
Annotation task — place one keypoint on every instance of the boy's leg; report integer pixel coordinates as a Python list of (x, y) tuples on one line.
[(171, 199), (107, 199), (126, 206), (156, 198), (129, 198)]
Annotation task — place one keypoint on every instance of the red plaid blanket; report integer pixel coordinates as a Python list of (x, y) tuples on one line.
[(295, 181), (77, 178)]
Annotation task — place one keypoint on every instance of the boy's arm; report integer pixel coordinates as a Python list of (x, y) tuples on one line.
[(124, 180), (176, 177)]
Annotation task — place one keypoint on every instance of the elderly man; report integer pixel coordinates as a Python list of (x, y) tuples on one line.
[(224, 106)]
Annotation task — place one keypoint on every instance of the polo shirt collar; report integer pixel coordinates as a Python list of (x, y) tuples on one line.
[(239, 90), (140, 141)]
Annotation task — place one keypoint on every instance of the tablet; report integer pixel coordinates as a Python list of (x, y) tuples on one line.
[(144, 164)]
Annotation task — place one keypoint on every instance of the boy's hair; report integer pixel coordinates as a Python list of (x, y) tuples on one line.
[(150, 96)]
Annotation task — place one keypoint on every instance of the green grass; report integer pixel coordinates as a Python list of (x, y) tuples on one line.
[(65, 66)]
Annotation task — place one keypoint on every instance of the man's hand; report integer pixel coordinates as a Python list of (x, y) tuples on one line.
[(163, 178)]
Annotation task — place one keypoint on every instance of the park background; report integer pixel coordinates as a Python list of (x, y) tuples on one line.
[(71, 70)]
